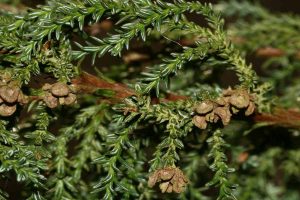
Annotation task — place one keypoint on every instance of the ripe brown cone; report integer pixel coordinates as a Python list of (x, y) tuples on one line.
[(171, 179), (9, 93), (7, 110), (204, 107), (50, 100), (60, 89), (200, 122), (240, 99), (70, 99)]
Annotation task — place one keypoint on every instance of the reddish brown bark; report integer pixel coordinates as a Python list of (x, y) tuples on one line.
[(280, 117), (270, 52), (88, 83)]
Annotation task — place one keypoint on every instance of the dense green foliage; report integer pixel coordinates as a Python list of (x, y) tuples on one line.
[(160, 108)]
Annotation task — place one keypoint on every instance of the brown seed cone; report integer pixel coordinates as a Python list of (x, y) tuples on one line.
[(210, 117), (164, 186), (167, 174), (61, 100), (50, 100), (224, 114), (177, 188), (47, 86), (70, 99), (200, 122), (182, 176), (221, 101), (7, 110), (216, 118), (179, 181), (204, 107), (250, 109), (153, 179), (170, 189), (60, 89), (9, 93), (183, 180), (23, 99), (176, 180), (234, 110), (240, 99)]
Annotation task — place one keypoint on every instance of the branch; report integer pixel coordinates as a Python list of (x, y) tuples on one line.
[(289, 118), (88, 83)]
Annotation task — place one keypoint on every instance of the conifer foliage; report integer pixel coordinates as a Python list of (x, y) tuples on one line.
[(157, 121)]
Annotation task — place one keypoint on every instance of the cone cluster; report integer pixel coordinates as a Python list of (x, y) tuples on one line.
[(170, 179), (231, 102), (10, 96), (58, 94)]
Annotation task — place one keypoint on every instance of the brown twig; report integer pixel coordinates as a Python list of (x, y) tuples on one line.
[(269, 52), (280, 117), (88, 83), (3, 51)]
